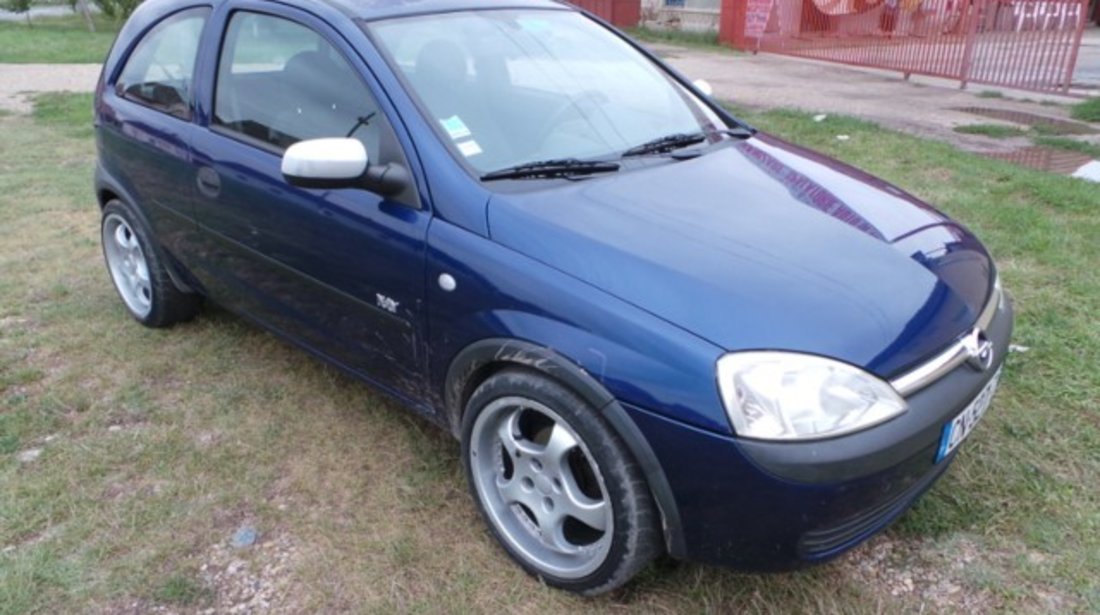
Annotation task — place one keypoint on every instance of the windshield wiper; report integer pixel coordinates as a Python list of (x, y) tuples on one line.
[(667, 143), (562, 167)]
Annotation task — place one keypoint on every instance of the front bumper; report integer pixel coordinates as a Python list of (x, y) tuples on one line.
[(774, 506)]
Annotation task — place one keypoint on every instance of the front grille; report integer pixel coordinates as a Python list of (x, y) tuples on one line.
[(943, 363), (817, 544)]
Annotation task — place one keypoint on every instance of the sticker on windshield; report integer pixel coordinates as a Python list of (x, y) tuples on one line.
[(469, 148), (455, 127)]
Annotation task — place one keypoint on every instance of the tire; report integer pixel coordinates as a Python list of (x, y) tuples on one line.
[(138, 272), (538, 458)]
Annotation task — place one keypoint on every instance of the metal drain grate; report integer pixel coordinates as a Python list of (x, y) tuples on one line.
[(1048, 124), (1045, 159)]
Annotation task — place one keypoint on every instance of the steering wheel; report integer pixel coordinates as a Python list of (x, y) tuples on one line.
[(588, 99)]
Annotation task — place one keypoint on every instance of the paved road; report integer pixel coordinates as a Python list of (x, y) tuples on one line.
[(17, 80), (1087, 72), (36, 12), (922, 106)]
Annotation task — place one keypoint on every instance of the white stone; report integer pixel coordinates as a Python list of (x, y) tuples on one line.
[(29, 455), (1090, 171)]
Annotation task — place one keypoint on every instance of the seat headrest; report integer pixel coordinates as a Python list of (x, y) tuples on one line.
[(441, 61)]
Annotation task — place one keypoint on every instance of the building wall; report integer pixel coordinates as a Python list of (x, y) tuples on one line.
[(687, 15)]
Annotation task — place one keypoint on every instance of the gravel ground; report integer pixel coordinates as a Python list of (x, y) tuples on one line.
[(253, 581)]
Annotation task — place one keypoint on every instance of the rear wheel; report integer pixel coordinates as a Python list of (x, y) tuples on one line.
[(138, 271), (557, 487)]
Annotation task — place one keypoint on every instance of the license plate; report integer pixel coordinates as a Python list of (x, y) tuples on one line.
[(955, 431)]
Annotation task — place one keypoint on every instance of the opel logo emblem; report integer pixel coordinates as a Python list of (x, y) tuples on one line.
[(979, 350)]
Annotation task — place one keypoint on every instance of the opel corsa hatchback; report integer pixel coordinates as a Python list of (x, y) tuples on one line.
[(653, 328)]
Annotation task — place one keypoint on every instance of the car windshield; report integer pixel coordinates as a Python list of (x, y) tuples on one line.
[(508, 87)]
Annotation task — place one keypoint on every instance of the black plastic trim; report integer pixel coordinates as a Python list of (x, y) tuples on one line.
[(826, 542)]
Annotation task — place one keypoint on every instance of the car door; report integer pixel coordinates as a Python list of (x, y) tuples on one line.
[(144, 124), (339, 271)]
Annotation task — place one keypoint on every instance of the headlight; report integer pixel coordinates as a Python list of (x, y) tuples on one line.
[(790, 396)]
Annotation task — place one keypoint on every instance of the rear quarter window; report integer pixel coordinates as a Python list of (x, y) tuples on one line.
[(160, 70)]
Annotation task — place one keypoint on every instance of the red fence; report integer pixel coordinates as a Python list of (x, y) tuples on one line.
[(1026, 44)]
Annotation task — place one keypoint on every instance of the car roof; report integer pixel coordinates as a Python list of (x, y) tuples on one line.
[(383, 9)]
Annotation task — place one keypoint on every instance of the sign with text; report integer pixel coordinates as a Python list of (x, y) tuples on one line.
[(756, 17)]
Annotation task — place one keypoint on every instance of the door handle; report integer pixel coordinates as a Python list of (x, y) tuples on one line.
[(210, 183)]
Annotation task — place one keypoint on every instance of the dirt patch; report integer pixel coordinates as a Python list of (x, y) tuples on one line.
[(905, 570)]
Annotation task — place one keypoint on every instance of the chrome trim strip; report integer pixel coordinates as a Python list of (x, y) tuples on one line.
[(941, 364)]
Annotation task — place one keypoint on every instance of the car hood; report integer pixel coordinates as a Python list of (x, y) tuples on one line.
[(760, 244)]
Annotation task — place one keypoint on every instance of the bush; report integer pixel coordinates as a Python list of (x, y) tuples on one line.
[(16, 6), (116, 9)]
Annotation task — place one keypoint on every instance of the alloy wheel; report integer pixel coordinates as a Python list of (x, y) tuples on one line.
[(542, 489), (127, 264)]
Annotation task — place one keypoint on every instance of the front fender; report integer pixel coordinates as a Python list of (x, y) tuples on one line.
[(498, 293), (506, 309)]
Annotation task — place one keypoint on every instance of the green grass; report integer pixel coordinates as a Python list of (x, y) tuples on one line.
[(1072, 145), (158, 445), (56, 40), (990, 94), (1088, 111), (181, 590), (684, 38), (993, 131), (71, 111), (1041, 134)]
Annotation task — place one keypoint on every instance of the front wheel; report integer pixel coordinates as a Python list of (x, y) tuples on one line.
[(559, 490)]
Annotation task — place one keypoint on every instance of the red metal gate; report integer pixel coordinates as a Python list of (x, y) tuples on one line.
[(1026, 44), (621, 13)]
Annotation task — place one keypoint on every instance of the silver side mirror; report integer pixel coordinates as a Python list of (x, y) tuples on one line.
[(341, 163), (325, 163)]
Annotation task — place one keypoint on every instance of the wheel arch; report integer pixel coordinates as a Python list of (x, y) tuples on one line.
[(108, 189), (104, 196), (480, 360)]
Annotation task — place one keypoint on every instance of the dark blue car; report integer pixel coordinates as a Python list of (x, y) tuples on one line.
[(653, 328)]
